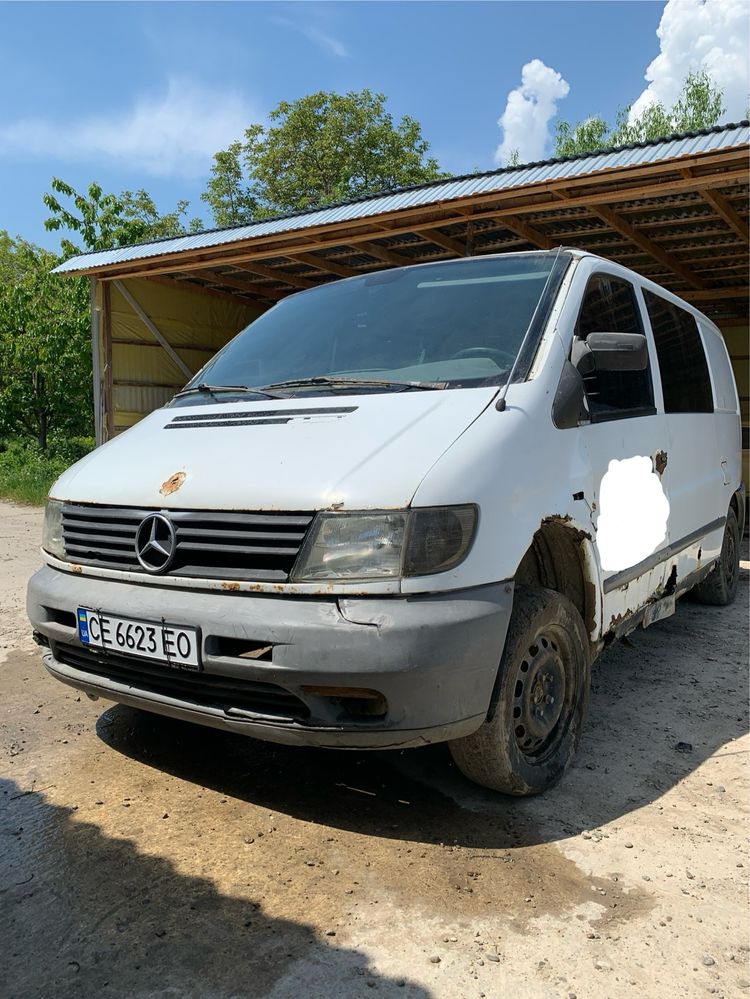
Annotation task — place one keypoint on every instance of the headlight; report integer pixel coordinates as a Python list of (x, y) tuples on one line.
[(52, 539), (386, 545)]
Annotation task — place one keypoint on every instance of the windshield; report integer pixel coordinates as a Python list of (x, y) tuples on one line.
[(459, 323)]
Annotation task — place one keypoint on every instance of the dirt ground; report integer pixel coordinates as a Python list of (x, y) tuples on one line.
[(146, 857)]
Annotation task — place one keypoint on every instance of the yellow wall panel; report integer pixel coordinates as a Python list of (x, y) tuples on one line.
[(195, 324)]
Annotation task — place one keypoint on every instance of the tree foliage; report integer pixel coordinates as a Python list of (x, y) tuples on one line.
[(102, 221), (320, 149), (45, 354), (700, 105)]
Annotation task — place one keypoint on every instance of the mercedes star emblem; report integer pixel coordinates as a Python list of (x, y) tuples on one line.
[(155, 543)]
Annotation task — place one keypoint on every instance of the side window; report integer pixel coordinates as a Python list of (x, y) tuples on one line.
[(685, 381), (609, 306)]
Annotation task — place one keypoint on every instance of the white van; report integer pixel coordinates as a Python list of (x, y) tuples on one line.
[(404, 508)]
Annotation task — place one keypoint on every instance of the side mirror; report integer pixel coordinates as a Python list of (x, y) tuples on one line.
[(610, 352), (569, 406)]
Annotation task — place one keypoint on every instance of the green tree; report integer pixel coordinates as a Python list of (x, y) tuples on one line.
[(322, 148), (228, 192), (700, 105), (45, 356), (585, 137), (102, 221)]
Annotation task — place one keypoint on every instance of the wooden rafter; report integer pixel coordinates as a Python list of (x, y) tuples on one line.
[(709, 294), (384, 254), (201, 289), (727, 212), (440, 239), (236, 282), (715, 255), (619, 224), (323, 264), (529, 233), (283, 276)]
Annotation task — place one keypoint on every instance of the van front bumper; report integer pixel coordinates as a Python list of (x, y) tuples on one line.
[(433, 659)]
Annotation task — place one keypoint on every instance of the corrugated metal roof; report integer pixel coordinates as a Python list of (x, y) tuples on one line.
[(638, 154)]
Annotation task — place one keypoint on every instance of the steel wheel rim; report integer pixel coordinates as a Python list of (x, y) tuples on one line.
[(543, 696), (730, 561)]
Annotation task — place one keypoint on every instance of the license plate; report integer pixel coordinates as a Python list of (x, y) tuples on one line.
[(170, 644)]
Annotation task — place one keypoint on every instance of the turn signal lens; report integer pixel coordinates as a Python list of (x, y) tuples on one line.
[(439, 538)]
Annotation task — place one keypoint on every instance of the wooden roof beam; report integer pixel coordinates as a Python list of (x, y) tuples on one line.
[(323, 264), (203, 289), (440, 239), (236, 282), (274, 275), (653, 249), (529, 233), (711, 294), (384, 254), (727, 213), (723, 208)]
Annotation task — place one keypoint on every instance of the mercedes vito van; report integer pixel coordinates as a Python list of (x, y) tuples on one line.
[(408, 507)]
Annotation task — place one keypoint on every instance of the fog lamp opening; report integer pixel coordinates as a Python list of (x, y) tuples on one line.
[(357, 702)]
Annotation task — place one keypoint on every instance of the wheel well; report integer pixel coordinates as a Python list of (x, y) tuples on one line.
[(555, 559)]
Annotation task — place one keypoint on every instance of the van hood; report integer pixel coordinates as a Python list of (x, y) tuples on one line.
[(350, 451)]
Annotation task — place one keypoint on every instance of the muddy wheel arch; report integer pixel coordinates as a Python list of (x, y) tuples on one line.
[(561, 557)]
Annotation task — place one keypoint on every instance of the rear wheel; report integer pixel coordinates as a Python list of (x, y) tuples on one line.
[(542, 696), (720, 585)]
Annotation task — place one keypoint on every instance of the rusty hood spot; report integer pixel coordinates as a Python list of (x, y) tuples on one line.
[(173, 483), (660, 462)]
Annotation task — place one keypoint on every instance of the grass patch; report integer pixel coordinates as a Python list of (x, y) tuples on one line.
[(26, 473)]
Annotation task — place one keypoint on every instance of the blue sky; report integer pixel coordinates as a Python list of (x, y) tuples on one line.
[(140, 95)]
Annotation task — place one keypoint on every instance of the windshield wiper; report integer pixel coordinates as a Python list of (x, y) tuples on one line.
[(332, 381), (233, 389)]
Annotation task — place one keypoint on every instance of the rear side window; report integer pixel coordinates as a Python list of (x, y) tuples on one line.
[(685, 380), (610, 306)]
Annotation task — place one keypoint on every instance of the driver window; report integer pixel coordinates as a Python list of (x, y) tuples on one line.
[(610, 306)]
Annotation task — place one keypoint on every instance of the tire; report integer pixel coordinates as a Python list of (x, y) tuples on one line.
[(720, 585), (519, 750)]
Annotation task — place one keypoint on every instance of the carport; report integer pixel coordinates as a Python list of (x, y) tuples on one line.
[(675, 210)]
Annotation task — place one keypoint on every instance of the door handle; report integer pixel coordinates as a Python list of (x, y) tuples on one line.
[(725, 470)]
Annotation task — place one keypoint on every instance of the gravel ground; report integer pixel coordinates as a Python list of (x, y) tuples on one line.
[(147, 857)]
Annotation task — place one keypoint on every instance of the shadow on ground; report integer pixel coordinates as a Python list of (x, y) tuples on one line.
[(681, 682), (84, 914)]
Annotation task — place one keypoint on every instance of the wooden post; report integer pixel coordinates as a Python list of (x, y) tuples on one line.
[(96, 361), (108, 421)]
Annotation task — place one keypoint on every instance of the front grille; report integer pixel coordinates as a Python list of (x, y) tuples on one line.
[(200, 688), (209, 544)]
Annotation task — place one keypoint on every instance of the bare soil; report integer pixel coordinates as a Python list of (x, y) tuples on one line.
[(146, 857)]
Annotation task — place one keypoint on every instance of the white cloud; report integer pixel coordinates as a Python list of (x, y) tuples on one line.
[(327, 42), (173, 134), (694, 35), (316, 35), (528, 113)]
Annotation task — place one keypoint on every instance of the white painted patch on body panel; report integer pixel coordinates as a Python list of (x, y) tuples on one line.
[(633, 513)]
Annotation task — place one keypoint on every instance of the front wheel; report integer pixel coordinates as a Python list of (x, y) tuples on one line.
[(541, 699)]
